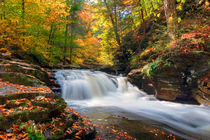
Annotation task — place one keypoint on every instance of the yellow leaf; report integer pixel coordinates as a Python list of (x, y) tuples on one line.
[(179, 20), (170, 19), (77, 137)]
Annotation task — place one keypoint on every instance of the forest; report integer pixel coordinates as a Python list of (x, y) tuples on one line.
[(55, 52), (76, 32)]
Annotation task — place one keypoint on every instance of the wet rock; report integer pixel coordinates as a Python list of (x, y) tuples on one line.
[(180, 82), (202, 93), (61, 66), (137, 78)]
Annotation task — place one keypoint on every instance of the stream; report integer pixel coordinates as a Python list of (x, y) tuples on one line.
[(101, 96)]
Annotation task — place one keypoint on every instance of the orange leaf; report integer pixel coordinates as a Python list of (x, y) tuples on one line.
[(9, 134), (98, 138), (2, 137), (17, 103), (26, 134), (29, 104), (61, 124), (75, 127), (21, 108), (7, 102)]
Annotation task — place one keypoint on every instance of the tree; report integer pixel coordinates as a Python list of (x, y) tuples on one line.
[(2, 3), (74, 6), (114, 19), (171, 17)]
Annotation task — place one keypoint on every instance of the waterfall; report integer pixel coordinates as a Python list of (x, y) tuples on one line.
[(90, 89), (85, 84)]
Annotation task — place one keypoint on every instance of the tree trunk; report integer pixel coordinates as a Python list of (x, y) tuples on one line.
[(141, 14), (50, 35), (23, 20), (143, 21), (171, 17), (114, 21), (71, 43), (53, 35), (23, 13), (65, 45), (3, 10), (72, 35)]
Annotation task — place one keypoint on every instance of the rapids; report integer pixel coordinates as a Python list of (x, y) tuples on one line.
[(87, 88)]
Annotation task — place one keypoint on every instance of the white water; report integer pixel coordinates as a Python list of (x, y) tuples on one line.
[(98, 89)]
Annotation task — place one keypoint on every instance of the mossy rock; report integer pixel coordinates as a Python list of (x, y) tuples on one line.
[(19, 66), (29, 96), (57, 136), (22, 79), (50, 109), (41, 75), (12, 104)]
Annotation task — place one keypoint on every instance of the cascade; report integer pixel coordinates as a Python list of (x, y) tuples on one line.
[(94, 88)]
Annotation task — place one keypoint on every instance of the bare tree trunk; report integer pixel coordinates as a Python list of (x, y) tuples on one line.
[(71, 29), (53, 35), (65, 44), (71, 43), (3, 10), (50, 35), (142, 17), (114, 21), (23, 19), (23, 13), (171, 17)]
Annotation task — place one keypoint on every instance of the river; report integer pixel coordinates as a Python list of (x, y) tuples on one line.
[(99, 95)]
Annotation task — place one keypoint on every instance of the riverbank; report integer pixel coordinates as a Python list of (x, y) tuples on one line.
[(29, 109), (31, 106), (176, 70)]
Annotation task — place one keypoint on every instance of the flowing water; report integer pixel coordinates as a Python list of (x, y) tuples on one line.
[(89, 91)]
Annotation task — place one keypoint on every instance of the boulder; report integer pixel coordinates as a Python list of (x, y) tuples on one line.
[(202, 93), (180, 82), (22, 79), (137, 78), (42, 110), (19, 66)]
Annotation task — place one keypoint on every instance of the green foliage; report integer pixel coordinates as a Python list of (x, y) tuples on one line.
[(168, 64), (198, 52), (33, 134), (153, 68), (133, 61)]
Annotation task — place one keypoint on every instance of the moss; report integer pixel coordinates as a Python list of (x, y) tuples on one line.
[(3, 123), (12, 104), (50, 109), (24, 68), (24, 116), (57, 136), (22, 79)]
